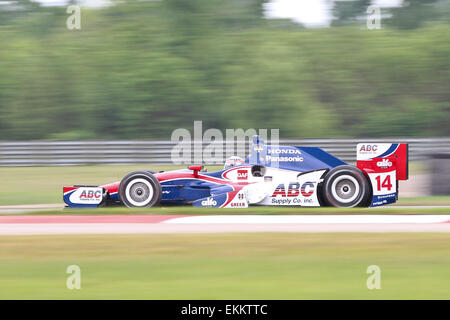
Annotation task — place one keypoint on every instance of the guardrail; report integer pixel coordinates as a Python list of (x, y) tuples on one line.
[(68, 153)]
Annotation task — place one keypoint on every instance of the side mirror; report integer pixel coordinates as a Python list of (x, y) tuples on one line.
[(196, 169)]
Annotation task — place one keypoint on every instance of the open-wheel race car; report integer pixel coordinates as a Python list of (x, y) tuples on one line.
[(269, 176)]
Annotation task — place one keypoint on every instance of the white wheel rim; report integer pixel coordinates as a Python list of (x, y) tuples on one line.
[(129, 196), (345, 181)]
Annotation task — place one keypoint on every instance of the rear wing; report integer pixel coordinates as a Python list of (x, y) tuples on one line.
[(375, 157)]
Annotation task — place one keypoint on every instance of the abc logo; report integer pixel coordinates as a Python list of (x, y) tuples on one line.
[(368, 147), (90, 194)]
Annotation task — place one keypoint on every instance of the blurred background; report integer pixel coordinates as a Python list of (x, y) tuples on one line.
[(73, 102), (140, 69), (137, 70)]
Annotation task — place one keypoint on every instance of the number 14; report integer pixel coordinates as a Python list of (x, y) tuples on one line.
[(385, 184)]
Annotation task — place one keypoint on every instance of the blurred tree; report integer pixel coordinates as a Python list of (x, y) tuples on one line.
[(11, 10), (410, 14), (413, 13), (140, 69), (346, 12)]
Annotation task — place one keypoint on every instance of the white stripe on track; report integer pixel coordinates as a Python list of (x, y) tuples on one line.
[(307, 219)]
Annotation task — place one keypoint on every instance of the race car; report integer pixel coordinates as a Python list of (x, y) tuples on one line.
[(269, 176)]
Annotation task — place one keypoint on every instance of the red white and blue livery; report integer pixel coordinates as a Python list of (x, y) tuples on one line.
[(269, 176)]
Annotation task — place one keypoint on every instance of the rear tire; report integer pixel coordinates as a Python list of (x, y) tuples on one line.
[(346, 186), (140, 189)]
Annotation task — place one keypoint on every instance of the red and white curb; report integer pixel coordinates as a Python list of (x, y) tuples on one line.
[(86, 219), (122, 224)]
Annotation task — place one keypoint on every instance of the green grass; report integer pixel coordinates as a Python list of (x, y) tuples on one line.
[(226, 266), (424, 201)]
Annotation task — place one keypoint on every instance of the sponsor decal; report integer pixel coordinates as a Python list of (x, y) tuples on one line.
[(284, 159), (90, 194), (291, 201), (384, 164), (242, 174), (209, 202), (267, 178), (238, 201), (238, 204), (368, 147), (367, 151), (284, 155), (294, 190), (285, 151), (86, 195), (379, 200), (279, 191), (307, 189)]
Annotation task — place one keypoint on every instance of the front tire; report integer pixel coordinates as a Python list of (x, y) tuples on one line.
[(140, 189), (346, 186)]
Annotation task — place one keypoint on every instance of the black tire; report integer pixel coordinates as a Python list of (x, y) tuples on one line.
[(346, 186), (140, 189)]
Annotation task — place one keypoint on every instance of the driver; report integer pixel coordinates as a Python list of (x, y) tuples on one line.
[(232, 162)]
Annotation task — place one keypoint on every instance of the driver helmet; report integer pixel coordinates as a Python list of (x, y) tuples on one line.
[(233, 161)]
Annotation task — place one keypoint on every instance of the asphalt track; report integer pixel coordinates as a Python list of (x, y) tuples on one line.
[(129, 224), (21, 209)]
